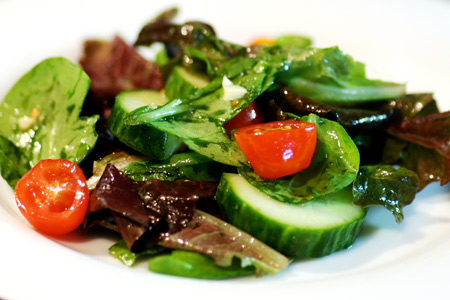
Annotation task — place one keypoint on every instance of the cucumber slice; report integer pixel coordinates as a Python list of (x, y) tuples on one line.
[(311, 229), (182, 83), (142, 138)]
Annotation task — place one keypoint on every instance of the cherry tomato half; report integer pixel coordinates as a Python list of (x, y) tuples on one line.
[(53, 196), (277, 149), (250, 115)]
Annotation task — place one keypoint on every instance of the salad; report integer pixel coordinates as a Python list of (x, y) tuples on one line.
[(158, 135)]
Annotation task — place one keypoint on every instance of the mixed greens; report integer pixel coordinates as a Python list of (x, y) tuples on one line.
[(165, 175)]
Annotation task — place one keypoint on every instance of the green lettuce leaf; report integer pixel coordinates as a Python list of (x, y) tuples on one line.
[(120, 251), (330, 75), (195, 265), (293, 40), (386, 186), (12, 163), (181, 166), (40, 115)]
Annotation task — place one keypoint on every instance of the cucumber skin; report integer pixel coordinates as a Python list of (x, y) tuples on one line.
[(293, 242), (145, 139)]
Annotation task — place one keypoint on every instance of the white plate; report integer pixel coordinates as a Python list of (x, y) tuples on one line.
[(406, 41)]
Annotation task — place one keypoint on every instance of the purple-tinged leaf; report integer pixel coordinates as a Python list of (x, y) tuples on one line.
[(174, 202), (430, 165), (431, 131), (144, 212), (115, 66), (412, 105), (116, 192), (115, 204), (223, 242)]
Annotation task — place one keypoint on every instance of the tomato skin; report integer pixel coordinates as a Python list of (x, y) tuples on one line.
[(277, 149), (53, 196), (263, 41), (250, 115)]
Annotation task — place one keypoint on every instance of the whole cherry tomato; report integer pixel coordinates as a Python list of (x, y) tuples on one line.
[(251, 114), (53, 196), (277, 149)]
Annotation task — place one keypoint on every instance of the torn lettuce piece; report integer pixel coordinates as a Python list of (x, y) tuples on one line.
[(223, 242), (431, 131), (430, 165), (114, 66), (195, 265), (12, 164), (120, 251), (193, 38), (293, 40), (40, 115), (178, 262), (386, 186), (413, 105), (181, 166), (421, 144), (330, 75)]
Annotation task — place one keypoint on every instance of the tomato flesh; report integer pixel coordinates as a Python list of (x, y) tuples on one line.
[(278, 149), (250, 115), (53, 196)]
